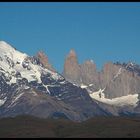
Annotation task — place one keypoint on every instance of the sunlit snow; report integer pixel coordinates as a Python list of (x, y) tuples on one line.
[(119, 101)]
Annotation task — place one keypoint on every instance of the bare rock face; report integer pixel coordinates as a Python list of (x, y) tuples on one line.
[(116, 79), (80, 74), (72, 68), (107, 74), (89, 74), (44, 60)]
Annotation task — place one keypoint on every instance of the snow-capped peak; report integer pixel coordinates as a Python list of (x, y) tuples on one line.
[(5, 45), (7, 50), (13, 61)]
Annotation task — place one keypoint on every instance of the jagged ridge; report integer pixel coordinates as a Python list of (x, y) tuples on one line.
[(28, 87)]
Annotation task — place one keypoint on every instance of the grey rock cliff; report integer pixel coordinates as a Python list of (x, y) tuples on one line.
[(44, 60), (72, 68), (117, 80)]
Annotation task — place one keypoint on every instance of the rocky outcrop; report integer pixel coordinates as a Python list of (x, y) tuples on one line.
[(116, 79), (89, 74), (28, 87), (72, 68), (44, 60), (80, 74)]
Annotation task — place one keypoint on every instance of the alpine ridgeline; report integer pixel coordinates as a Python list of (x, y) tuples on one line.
[(30, 86), (115, 85)]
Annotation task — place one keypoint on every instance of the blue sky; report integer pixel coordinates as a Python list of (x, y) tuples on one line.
[(99, 31)]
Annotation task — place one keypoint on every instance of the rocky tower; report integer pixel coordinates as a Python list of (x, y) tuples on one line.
[(116, 80), (85, 73), (44, 60), (89, 74), (72, 68), (28, 88), (119, 81)]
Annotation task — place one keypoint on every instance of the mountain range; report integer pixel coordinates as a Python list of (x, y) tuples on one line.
[(29, 85)]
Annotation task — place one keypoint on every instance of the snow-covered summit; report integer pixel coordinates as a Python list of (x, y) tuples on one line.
[(19, 71), (13, 61), (11, 52), (5, 45)]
